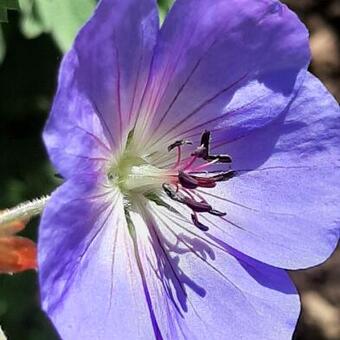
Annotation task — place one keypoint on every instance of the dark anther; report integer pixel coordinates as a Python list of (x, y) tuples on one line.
[(203, 151), (173, 194), (224, 176), (187, 181), (205, 182), (189, 202), (168, 190), (210, 182), (178, 143), (197, 206), (200, 152), (205, 139), (219, 158), (198, 224), (217, 213)]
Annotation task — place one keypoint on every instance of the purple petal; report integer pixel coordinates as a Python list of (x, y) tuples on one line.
[(283, 208), (200, 290), (96, 282), (89, 278), (73, 135), (101, 83), (226, 65)]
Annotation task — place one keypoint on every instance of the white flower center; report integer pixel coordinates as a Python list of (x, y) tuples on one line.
[(136, 175)]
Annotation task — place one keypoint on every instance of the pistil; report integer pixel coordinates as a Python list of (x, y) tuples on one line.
[(135, 175), (189, 178)]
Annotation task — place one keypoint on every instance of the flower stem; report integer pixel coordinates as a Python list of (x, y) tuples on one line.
[(24, 211)]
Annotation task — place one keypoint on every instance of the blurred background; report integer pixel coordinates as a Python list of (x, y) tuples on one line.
[(32, 41)]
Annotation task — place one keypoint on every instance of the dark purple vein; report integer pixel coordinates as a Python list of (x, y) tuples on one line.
[(201, 106)]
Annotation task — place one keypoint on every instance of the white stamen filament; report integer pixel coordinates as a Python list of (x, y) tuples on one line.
[(145, 177)]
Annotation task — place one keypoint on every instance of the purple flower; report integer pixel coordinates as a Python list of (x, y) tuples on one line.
[(201, 160)]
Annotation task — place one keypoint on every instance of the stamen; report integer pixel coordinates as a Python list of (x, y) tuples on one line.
[(197, 206), (205, 182), (200, 152), (179, 156), (224, 176), (178, 143), (190, 163), (217, 213), (197, 195), (190, 178), (219, 158), (205, 165), (205, 139), (203, 151), (173, 194), (187, 181), (197, 223)]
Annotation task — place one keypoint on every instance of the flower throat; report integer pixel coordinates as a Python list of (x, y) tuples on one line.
[(134, 175)]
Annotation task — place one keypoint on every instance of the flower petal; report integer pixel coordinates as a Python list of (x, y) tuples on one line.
[(226, 65), (283, 208), (93, 274), (89, 279), (200, 290), (101, 82)]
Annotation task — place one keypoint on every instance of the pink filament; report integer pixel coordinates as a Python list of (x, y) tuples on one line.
[(179, 154)]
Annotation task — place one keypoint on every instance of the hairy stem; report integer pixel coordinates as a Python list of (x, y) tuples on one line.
[(24, 211)]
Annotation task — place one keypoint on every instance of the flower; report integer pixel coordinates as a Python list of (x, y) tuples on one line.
[(17, 253), (200, 161)]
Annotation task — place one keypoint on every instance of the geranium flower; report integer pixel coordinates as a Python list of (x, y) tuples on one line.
[(17, 253), (201, 160)]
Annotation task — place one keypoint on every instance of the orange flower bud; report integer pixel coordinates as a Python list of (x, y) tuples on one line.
[(16, 253)]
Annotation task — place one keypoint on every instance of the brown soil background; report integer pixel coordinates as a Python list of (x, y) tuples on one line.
[(320, 287)]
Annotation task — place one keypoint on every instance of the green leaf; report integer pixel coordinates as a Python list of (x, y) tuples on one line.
[(31, 23), (61, 18), (10, 4), (164, 6), (4, 6), (3, 14)]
